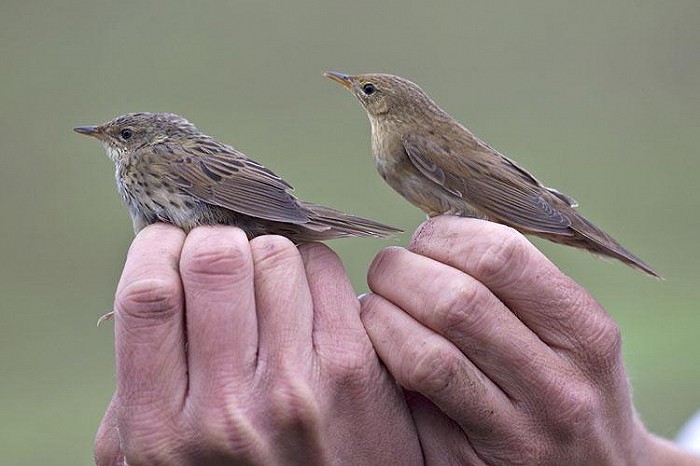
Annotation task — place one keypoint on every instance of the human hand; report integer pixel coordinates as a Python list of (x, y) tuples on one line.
[(230, 351), (504, 358)]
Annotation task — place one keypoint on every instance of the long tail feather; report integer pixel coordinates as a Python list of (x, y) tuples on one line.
[(590, 237), (331, 223)]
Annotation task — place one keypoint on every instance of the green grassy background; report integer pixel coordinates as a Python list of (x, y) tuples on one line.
[(597, 98)]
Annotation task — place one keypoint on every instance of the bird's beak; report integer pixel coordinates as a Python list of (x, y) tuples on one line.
[(343, 79), (94, 131)]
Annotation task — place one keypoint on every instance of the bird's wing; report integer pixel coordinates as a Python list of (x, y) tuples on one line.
[(527, 176), (497, 186), (221, 175)]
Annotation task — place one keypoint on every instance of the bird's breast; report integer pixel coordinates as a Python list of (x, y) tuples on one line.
[(395, 167), (387, 148), (151, 198)]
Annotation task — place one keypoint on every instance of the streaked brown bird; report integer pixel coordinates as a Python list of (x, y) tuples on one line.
[(440, 166), (168, 171)]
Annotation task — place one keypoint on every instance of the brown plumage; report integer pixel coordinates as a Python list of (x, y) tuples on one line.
[(440, 166), (168, 171)]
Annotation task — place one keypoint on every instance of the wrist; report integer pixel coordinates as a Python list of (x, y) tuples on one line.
[(661, 451), (654, 450)]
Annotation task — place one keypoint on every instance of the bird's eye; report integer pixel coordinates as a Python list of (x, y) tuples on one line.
[(126, 133), (369, 89)]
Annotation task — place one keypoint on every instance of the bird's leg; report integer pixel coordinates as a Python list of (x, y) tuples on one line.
[(108, 316)]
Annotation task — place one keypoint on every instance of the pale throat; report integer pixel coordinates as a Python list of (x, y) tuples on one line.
[(113, 152), (386, 145)]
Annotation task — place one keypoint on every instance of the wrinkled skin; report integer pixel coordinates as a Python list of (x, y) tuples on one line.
[(238, 352), (504, 358)]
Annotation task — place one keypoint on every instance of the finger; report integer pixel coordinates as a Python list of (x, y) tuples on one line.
[(283, 299), (336, 322), (149, 336), (353, 382), (442, 439), (107, 446), (217, 274), (423, 361), (559, 311), (463, 310)]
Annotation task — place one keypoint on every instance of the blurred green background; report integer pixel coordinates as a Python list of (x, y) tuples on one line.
[(598, 98)]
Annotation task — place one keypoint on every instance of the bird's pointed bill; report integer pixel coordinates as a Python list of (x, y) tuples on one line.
[(343, 79), (87, 130), (94, 131)]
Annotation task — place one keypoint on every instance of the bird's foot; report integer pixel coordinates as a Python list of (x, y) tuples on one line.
[(108, 316)]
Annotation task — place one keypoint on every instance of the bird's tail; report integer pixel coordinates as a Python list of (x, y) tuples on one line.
[(327, 223), (594, 239)]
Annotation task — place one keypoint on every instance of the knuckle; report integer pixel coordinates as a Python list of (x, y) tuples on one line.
[(457, 306), (580, 407), (351, 367), (518, 449), (573, 411), (148, 447), (224, 431), (432, 367), (147, 296), (106, 453), (531, 451), (604, 343), (271, 250), (506, 248), (292, 404), (566, 296), (577, 404)]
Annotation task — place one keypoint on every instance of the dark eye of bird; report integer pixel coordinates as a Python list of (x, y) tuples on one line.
[(368, 89), (126, 133)]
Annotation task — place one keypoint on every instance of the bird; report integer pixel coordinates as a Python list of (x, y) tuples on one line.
[(169, 171), (440, 166)]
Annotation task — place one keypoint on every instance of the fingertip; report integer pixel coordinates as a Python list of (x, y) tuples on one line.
[(447, 230), (160, 228), (423, 233), (493, 253), (435, 227), (322, 262), (317, 252), (216, 234), (381, 262), (158, 235), (150, 277), (369, 304), (215, 251), (271, 250)]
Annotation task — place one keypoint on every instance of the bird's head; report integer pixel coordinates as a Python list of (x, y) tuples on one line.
[(127, 133), (388, 97)]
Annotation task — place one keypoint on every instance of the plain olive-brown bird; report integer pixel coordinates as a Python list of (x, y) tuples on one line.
[(440, 166), (168, 171)]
